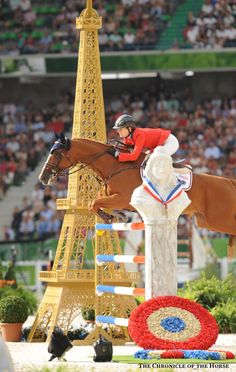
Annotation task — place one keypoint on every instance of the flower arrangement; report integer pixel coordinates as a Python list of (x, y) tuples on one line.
[(172, 323), (185, 354)]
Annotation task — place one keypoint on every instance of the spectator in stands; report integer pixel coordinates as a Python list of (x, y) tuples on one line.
[(25, 5), (8, 233), (50, 28), (214, 27), (16, 221), (27, 227), (212, 151)]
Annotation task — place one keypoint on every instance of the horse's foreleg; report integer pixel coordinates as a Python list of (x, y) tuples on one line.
[(115, 201)]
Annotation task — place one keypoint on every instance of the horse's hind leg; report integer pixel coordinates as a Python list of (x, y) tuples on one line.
[(232, 246)]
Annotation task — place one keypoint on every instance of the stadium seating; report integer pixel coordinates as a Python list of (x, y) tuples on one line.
[(194, 124)]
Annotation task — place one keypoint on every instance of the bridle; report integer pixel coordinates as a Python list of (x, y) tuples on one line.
[(54, 171)]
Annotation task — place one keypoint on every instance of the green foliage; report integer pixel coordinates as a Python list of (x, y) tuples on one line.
[(88, 314), (1, 270), (210, 292), (77, 334), (217, 296), (26, 294), (13, 309), (139, 299), (225, 315)]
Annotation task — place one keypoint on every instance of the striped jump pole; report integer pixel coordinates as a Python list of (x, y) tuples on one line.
[(105, 258), (128, 291), (112, 320), (120, 226)]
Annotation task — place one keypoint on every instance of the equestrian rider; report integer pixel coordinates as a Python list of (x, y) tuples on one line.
[(142, 138)]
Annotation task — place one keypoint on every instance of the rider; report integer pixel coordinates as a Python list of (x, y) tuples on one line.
[(142, 138)]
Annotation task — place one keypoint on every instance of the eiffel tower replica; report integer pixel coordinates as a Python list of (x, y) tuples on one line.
[(71, 283)]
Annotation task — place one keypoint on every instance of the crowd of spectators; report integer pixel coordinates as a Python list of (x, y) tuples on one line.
[(214, 27), (206, 132), (25, 134), (29, 27)]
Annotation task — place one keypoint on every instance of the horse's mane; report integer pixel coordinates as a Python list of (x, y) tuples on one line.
[(112, 143), (117, 144)]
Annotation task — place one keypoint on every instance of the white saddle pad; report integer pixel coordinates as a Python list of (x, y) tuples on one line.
[(185, 178)]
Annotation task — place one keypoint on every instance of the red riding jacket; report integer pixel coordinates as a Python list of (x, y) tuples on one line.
[(142, 138)]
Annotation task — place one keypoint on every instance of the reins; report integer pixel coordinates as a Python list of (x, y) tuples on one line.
[(101, 180)]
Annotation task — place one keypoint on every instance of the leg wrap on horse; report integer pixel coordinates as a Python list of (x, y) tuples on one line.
[(119, 216), (107, 218)]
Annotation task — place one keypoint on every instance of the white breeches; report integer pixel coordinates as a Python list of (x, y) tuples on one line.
[(171, 145)]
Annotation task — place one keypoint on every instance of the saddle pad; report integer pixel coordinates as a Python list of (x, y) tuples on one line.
[(185, 179)]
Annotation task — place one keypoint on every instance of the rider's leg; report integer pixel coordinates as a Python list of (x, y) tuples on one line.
[(171, 145)]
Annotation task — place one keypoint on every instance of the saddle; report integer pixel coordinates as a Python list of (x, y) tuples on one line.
[(182, 171)]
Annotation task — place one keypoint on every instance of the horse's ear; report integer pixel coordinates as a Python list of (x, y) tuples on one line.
[(62, 137), (56, 135)]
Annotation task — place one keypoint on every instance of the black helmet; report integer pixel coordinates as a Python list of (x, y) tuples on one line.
[(125, 121)]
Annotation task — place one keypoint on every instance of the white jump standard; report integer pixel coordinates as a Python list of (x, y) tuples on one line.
[(160, 213)]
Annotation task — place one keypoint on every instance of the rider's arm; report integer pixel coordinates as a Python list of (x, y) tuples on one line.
[(139, 143)]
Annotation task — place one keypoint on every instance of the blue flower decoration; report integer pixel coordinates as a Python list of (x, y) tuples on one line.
[(142, 354), (173, 324), (187, 354), (201, 354)]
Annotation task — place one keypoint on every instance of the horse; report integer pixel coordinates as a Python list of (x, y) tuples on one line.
[(213, 198)]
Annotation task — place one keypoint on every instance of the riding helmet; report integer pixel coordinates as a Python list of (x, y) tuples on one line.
[(125, 121)]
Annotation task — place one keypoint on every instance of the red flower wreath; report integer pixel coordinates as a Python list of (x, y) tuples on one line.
[(202, 329), (168, 354)]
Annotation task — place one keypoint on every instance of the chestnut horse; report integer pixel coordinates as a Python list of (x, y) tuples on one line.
[(213, 198)]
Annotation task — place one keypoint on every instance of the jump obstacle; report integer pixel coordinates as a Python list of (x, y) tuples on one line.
[(160, 225), (102, 259)]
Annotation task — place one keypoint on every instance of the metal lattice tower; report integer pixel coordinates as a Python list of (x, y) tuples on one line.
[(70, 284)]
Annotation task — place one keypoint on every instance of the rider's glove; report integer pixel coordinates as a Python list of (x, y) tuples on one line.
[(112, 151)]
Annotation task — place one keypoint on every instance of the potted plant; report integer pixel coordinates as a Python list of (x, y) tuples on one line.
[(88, 314), (13, 313)]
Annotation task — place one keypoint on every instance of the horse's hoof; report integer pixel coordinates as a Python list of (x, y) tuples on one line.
[(107, 218), (121, 217)]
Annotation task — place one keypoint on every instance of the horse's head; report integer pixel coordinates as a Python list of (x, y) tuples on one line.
[(57, 161)]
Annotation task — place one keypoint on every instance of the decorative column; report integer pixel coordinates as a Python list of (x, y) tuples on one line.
[(160, 218)]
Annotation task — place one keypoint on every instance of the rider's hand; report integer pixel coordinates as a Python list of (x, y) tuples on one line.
[(112, 151)]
